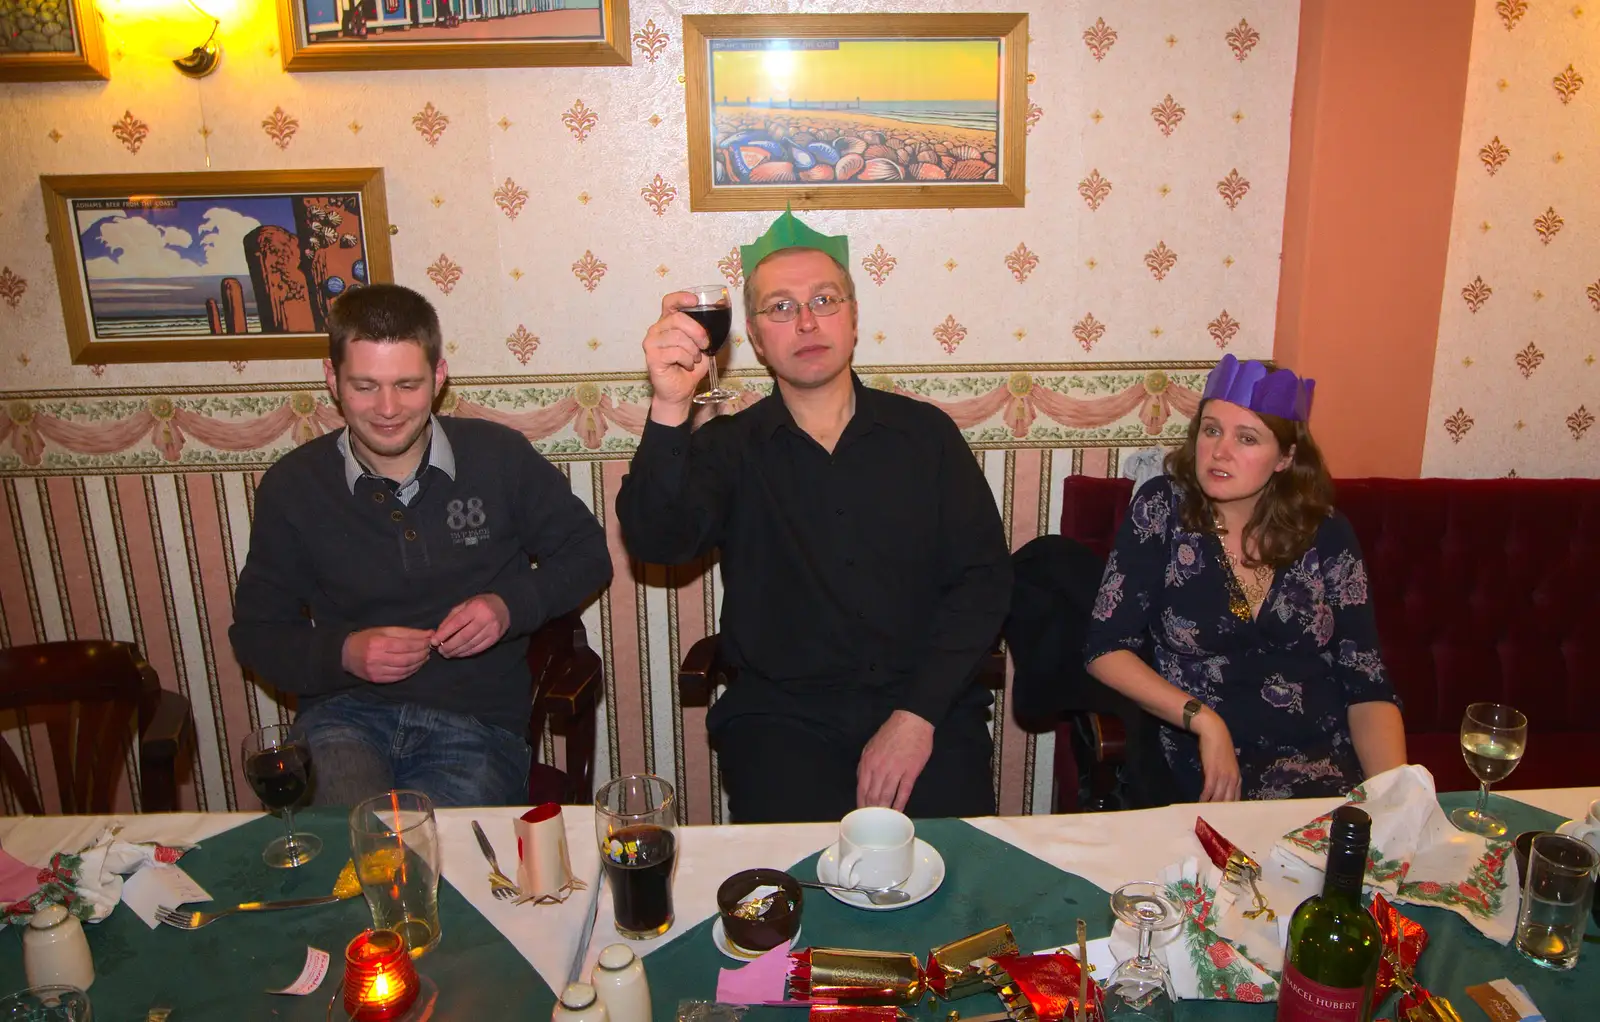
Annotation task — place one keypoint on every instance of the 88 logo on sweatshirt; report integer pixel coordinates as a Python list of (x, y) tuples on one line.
[(465, 519)]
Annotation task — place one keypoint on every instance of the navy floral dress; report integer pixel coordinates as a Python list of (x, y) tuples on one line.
[(1282, 682)]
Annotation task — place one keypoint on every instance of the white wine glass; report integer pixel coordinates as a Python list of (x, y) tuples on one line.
[(1493, 736), (713, 311), (1141, 987)]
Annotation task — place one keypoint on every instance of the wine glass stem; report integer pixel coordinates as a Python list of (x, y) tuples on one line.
[(712, 376), (288, 825), (1483, 798), (1144, 945)]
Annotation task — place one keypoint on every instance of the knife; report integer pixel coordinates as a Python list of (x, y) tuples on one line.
[(582, 950), (488, 849)]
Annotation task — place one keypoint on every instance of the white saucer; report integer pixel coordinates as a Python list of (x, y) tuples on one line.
[(927, 873), (719, 937)]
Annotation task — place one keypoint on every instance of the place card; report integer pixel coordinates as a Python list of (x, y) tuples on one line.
[(154, 886)]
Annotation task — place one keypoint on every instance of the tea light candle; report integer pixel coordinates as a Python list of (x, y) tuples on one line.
[(380, 982)]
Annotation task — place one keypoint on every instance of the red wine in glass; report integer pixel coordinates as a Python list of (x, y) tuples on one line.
[(278, 767), (713, 311), (717, 320), (279, 777)]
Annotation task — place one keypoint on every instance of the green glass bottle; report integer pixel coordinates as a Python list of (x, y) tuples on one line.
[(1331, 963)]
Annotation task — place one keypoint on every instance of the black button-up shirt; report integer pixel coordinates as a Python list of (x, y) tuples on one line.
[(880, 566)]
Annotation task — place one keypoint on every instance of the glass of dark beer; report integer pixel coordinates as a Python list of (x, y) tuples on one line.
[(633, 821), (713, 311)]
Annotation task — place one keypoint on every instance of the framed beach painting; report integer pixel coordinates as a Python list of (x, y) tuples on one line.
[(386, 35), (51, 41), (208, 267), (855, 111)]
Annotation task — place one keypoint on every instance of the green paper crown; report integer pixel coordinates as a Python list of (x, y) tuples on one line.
[(788, 232)]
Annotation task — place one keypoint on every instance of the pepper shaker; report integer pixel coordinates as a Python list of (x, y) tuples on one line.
[(55, 950), (579, 1003), (621, 983)]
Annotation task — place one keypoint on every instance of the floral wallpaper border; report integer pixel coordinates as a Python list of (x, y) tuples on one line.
[(570, 417)]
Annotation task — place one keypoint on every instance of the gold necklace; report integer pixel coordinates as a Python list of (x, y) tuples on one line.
[(1243, 597)]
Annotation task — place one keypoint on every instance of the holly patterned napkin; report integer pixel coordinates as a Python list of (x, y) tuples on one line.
[(1418, 857), (89, 882), (1217, 954)]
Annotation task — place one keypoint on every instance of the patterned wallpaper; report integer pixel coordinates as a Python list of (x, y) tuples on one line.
[(545, 210), (1516, 380)]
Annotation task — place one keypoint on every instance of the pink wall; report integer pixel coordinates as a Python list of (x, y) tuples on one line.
[(1374, 142)]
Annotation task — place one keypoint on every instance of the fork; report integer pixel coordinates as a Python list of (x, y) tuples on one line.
[(194, 920), (499, 884)]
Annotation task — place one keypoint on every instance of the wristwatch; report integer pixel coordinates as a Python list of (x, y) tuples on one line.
[(1191, 708)]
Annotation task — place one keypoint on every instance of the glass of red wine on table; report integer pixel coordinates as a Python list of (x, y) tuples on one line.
[(713, 311), (278, 767)]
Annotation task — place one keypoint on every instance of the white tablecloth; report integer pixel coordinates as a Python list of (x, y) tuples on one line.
[(1107, 849)]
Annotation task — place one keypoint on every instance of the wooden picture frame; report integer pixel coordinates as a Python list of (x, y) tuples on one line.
[(389, 35), (930, 110), (85, 61), (208, 267)]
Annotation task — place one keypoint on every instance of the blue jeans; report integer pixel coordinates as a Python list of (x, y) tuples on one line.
[(361, 748)]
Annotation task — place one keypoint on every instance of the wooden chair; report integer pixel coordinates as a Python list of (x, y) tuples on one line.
[(703, 669), (567, 678), (88, 694)]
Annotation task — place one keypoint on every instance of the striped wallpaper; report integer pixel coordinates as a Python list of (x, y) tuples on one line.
[(151, 557)]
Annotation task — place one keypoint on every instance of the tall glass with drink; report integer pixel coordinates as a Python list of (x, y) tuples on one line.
[(278, 766), (1556, 900), (634, 825), (395, 842), (713, 311), (1492, 739)]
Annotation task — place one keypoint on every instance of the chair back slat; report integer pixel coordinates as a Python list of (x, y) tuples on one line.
[(86, 695)]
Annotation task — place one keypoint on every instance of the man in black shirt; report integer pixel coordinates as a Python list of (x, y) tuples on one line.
[(388, 582), (864, 562)]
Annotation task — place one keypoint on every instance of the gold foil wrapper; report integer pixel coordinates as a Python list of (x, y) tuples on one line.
[(865, 975), (1434, 1009), (951, 970)]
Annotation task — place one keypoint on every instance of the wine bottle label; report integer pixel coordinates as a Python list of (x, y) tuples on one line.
[(1305, 1000)]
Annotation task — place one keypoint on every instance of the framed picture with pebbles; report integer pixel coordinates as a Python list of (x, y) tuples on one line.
[(388, 35), (855, 111), (51, 41), (212, 266)]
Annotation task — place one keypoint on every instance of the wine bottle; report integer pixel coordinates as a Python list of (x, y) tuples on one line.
[(1330, 966)]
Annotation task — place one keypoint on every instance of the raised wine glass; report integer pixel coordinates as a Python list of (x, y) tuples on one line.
[(278, 767), (712, 310), (1492, 739), (1141, 987)]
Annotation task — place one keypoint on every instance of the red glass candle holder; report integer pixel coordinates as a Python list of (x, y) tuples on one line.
[(380, 981)]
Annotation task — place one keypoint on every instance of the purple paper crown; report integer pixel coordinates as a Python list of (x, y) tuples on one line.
[(1250, 385)]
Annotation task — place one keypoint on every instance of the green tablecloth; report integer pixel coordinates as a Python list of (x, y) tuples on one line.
[(220, 973), (990, 882)]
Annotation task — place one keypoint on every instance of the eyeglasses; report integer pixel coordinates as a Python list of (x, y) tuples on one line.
[(784, 310)]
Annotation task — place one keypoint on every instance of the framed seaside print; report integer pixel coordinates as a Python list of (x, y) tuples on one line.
[(51, 41), (385, 35), (855, 111), (207, 267)]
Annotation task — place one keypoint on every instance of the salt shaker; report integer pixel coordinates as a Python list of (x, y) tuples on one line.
[(55, 950), (620, 981), (579, 1003)]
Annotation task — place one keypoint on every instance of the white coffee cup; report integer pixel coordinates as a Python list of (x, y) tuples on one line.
[(1587, 829), (877, 848)]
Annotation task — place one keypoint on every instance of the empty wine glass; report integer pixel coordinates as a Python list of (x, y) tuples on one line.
[(712, 310), (1492, 739), (1141, 987), (278, 766)]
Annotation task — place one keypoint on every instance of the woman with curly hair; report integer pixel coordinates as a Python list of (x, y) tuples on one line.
[(1235, 608)]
